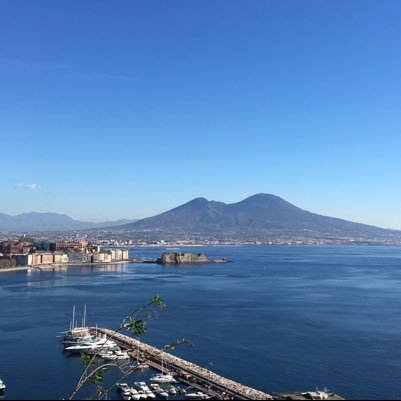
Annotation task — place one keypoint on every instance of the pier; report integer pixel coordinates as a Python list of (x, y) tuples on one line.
[(186, 372)]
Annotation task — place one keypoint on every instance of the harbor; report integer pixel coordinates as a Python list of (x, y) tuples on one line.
[(183, 371), (200, 383), (202, 380)]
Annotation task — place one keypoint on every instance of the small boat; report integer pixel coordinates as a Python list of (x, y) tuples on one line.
[(159, 391), (196, 396), (172, 390), (108, 356), (125, 391), (134, 394), (71, 339), (126, 395), (121, 355), (144, 389), (102, 345), (2, 387), (318, 394), (123, 386), (163, 378)]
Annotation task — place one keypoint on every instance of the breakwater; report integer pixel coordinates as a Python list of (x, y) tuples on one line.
[(187, 372)]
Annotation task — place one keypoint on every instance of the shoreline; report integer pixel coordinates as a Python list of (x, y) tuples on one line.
[(55, 266)]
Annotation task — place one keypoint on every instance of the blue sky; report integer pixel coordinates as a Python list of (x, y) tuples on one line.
[(126, 109)]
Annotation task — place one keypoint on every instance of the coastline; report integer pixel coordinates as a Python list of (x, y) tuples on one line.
[(57, 266)]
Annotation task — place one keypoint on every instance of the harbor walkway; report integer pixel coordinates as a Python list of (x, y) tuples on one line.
[(187, 372)]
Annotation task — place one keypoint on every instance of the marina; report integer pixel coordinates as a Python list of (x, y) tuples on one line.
[(110, 345), (206, 384), (201, 379)]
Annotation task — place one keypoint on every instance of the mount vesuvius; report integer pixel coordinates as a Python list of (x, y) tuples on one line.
[(258, 216)]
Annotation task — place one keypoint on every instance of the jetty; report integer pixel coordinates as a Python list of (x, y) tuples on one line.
[(202, 379)]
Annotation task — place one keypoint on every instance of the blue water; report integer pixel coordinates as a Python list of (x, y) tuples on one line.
[(278, 318)]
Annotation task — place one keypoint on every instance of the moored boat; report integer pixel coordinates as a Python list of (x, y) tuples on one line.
[(2, 387), (163, 378), (196, 396)]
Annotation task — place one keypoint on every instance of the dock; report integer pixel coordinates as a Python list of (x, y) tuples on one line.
[(199, 378)]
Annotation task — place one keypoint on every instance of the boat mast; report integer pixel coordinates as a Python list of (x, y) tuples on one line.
[(84, 320), (73, 317)]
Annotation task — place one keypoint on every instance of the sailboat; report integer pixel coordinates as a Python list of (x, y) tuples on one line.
[(76, 334), (163, 377)]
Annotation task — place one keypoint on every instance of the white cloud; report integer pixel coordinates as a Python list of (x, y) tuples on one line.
[(31, 187), (30, 65), (115, 77), (244, 195)]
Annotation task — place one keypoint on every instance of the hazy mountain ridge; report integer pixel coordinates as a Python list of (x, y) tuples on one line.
[(260, 216), (35, 221)]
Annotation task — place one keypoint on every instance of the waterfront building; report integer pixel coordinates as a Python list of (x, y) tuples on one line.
[(47, 258), (36, 259), (23, 259), (60, 257), (108, 256), (69, 246)]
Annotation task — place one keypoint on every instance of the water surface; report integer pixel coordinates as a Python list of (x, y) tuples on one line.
[(278, 318)]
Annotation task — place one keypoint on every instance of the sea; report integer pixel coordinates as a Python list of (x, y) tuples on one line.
[(278, 318)]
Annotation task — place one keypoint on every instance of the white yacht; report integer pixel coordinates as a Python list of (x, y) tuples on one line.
[(108, 356), (159, 391), (163, 378), (198, 395), (125, 395), (2, 386), (318, 394), (134, 394), (122, 386), (94, 345), (172, 390), (71, 339), (144, 389), (121, 354)]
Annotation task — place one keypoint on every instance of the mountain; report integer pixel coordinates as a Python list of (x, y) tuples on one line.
[(258, 216), (29, 222)]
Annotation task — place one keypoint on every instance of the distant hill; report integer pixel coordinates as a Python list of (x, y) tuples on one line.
[(259, 214), (29, 222)]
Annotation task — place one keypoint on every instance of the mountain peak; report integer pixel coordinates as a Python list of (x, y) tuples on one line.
[(267, 200), (199, 200), (263, 196)]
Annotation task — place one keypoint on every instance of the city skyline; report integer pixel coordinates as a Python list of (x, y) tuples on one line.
[(125, 111)]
